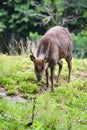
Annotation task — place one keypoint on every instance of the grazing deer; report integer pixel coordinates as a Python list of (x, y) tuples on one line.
[(54, 45)]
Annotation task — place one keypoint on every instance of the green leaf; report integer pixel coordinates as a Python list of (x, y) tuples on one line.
[(12, 26), (15, 16), (85, 15), (3, 12), (2, 26)]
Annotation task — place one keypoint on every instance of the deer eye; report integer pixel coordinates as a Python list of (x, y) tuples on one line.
[(36, 67), (39, 70), (42, 67)]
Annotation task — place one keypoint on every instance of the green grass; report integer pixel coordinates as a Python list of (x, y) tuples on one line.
[(65, 109)]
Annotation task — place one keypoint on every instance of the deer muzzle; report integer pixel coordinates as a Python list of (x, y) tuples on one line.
[(39, 78)]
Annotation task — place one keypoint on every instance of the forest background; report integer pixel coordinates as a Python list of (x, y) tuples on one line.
[(25, 20)]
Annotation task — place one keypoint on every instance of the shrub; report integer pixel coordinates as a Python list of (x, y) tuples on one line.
[(80, 44)]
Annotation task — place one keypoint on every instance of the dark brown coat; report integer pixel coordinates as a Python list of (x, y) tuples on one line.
[(53, 46)]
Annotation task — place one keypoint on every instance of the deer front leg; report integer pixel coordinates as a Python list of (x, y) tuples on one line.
[(52, 77), (47, 83)]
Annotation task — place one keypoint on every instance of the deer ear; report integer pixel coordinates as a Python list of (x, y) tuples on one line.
[(47, 59), (32, 58)]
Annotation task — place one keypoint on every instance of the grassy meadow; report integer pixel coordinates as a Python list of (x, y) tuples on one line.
[(65, 109)]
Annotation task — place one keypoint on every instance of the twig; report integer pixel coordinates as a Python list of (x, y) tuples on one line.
[(33, 110)]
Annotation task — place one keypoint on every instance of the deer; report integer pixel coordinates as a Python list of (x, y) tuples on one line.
[(53, 46)]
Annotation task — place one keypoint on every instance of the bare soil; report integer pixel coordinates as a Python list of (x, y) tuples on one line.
[(13, 99)]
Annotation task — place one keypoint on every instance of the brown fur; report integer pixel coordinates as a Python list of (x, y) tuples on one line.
[(53, 46)]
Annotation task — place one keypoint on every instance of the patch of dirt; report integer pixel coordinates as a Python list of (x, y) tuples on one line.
[(2, 91), (12, 99), (15, 99), (82, 75)]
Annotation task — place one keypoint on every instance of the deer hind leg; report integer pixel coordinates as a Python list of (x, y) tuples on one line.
[(60, 63), (69, 62)]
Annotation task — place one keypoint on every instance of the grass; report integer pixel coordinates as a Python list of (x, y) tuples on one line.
[(65, 109)]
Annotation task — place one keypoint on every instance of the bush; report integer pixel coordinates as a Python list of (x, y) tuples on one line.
[(80, 44), (34, 36)]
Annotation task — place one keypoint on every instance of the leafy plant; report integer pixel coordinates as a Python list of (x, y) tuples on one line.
[(34, 36), (80, 44)]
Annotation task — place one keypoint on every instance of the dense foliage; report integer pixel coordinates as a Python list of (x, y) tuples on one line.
[(20, 17)]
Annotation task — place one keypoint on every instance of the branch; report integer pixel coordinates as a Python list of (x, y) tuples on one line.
[(52, 15), (69, 19)]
